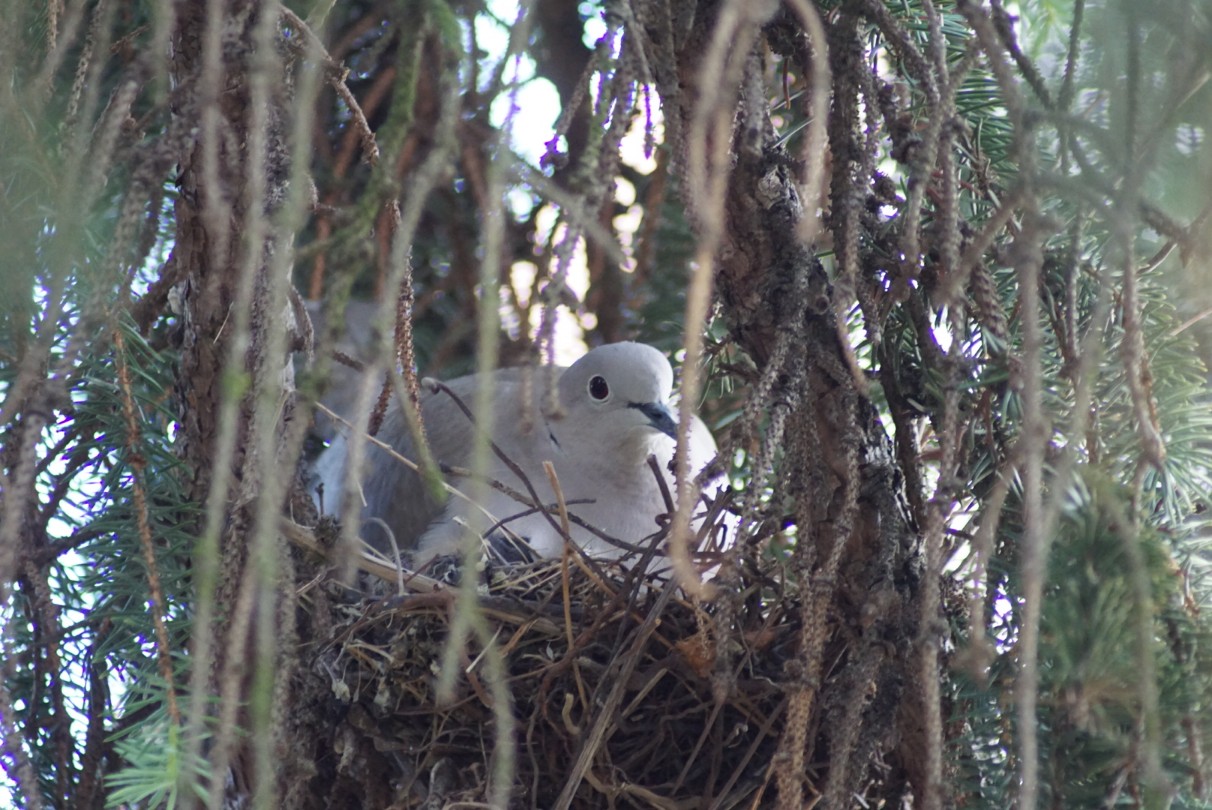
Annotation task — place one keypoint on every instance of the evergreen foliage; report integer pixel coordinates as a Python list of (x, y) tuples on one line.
[(1100, 165)]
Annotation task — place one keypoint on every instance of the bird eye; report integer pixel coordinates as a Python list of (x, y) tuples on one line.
[(598, 389)]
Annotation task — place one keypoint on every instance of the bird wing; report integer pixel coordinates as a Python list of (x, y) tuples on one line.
[(396, 493)]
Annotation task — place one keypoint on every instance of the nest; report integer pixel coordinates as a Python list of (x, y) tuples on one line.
[(623, 693)]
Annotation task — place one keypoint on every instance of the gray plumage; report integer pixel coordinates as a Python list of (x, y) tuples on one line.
[(612, 412)]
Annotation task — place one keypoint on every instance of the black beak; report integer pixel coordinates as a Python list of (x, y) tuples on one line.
[(658, 416)]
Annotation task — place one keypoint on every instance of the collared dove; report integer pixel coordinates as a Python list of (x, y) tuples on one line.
[(612, 411)]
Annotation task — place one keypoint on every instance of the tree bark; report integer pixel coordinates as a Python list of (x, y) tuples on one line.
[(233, 262), (859, 552)]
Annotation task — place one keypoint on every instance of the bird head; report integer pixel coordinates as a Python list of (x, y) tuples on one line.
[(620, 393)]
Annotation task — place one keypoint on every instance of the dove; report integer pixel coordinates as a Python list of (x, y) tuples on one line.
[(611, 410)]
